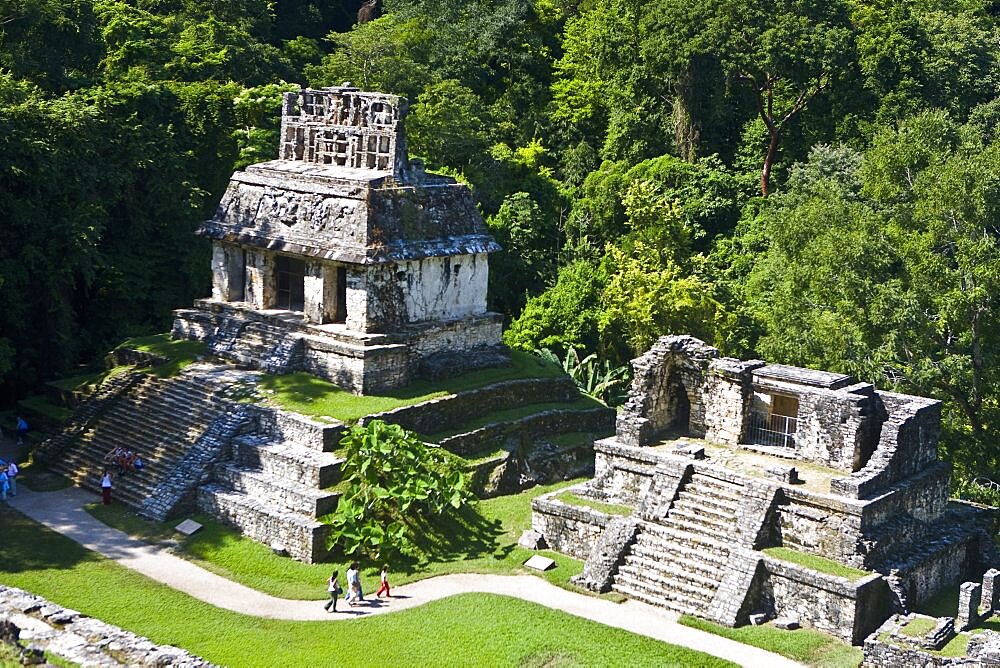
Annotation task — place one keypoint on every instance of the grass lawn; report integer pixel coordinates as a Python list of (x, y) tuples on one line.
[(606, 508), (471, 629), (919, 627), (39, 479), (512, 415), (178, 352), (42, 406), (807, 646), (483, 541), (309, 395), (819, 564)]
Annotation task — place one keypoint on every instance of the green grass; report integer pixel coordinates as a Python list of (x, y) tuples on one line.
[(511, 415), (819, 564), (471, 629), (957, 646), (606, 508), (41, 406), (807, 646), (309, 395), (178, 352), (39, 479), (943, 604), (919, 627), (483, 540), (89, 381)]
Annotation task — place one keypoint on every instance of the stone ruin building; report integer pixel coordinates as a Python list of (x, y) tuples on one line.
[(719, 459), (344, 258)]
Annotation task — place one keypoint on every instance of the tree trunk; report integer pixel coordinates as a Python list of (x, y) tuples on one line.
[(772, 151)]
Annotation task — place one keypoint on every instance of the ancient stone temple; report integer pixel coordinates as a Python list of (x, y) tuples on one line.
[(747, 481), (344, 258)]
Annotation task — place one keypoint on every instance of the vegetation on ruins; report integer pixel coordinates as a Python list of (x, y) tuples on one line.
[(394, 485), (620, 150)]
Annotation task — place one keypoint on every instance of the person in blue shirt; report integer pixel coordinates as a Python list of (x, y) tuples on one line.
[(22, 429)]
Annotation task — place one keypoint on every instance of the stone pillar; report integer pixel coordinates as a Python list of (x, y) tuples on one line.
[(991, 591), (312, 283), (228, 273), (969, 595), (260, 287), (357, 299), (220, 273)]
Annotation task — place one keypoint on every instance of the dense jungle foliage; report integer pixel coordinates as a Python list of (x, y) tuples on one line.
[(813, 182)]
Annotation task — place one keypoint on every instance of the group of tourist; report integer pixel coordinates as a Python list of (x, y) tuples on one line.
[(8, 479), (354, 593), (124, 460)]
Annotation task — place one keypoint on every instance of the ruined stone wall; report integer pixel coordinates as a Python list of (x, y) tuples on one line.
[(572, 530), (522, 432), (370, 371), (448, 412), (844, 608), (946, 561), (907, 445), (451, 337), (666, 388), (726, 395), (80, 640), (624, 473)]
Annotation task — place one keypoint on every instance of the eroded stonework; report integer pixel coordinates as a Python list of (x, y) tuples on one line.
[(370, 264), (721, 459)]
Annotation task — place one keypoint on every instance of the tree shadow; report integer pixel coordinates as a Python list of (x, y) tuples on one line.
[(30, 546)]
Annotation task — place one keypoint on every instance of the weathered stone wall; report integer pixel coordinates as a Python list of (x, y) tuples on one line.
[(572, 530), (666, 390), (82, 640), (607, 552), (833, 425), (297, 428), (948, 558), (303, 540), (822, 526), (598, 420), (624, 473), (726, 393), (449, 412), (907, 444), (369, 371), (451, 336), (444, 287), (844, 608)]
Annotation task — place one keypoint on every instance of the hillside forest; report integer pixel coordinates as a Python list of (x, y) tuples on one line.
[(813, 182)]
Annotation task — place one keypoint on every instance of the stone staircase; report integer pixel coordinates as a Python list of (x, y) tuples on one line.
[(678, 561), (159, 419), (275, 486)]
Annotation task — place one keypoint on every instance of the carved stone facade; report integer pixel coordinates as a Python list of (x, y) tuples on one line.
[(722, 459), (372, 264)]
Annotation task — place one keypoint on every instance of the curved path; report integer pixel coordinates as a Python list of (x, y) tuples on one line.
[(63, 511)]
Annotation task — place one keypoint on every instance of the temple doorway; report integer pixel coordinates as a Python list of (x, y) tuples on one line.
[(290, 274)]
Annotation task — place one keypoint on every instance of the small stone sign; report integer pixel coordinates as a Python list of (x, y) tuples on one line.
[(539, 563), (187, 527)]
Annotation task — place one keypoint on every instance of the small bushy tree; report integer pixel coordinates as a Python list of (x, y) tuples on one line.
[(393, 482)]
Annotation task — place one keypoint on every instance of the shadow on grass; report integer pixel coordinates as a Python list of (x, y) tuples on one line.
[(26, 548), (464, 534)]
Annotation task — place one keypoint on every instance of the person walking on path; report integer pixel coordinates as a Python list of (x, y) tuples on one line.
[(22, 429), (12, 472), (106, 487), (333, 588), (384, 586), (4, 484), (353, 585)]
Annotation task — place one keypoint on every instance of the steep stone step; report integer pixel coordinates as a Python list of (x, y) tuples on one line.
[(697, 562), (717, 525), (303, 537), (693, 527), (674, 602), (288, 461), (308, 501), (668, 583), (669, 535), (639, 567), (696, 505)]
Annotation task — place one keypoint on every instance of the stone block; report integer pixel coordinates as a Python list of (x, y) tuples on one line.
[(786, 474), (969, 595), (786, 623), (991, 591), (187, 527), (540, 563), (691, 451), (532, 540), (758, 618)]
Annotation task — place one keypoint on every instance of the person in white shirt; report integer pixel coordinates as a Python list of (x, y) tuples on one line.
[(12, 472)]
